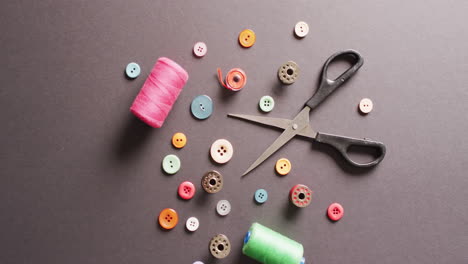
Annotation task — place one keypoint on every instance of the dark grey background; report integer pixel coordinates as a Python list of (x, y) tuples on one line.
[(81, 179)]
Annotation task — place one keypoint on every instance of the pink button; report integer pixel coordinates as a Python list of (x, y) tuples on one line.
[(335, 211), (186, 190)]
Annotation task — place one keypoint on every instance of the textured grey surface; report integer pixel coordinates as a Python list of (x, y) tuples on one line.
[(81, 179)]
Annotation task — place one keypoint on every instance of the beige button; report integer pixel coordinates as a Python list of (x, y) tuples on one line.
[(365, 106), (221, 151)]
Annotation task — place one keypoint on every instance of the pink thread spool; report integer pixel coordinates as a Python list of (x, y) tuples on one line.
[(159, 92)]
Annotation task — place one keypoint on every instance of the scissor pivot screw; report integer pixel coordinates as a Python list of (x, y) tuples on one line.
[(294, 126)]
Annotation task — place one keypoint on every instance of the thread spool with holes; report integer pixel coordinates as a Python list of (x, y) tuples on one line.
[(212, 182), (300, 195), (288, 72), (220, 247), (236, 79)]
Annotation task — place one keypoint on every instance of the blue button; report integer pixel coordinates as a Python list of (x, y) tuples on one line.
[(261, 196), (202, 107), (133, 70)]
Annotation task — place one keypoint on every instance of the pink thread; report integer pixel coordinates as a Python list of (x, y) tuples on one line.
[(159, 92)]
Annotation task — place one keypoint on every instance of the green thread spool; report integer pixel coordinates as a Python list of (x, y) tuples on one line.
[(269, 247)]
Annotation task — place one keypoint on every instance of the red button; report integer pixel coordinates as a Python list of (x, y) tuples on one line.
[(335, 211), (186, 190)]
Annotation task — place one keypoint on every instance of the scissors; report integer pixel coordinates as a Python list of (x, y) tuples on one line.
[(300, 125)]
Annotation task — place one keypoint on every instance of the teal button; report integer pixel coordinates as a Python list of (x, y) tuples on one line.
[(133, 70), (266, 103), (171, 164), (261, 196), (202, 107)]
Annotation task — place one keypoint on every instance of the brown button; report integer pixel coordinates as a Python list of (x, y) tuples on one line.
[(212, 182), (220, 247)]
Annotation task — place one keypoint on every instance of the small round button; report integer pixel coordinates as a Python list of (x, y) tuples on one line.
[(212, 182), (202, 107), (220, 247), (192, 224), (221, 151), (200, 49), (288, 72), (223, 207), (301, 29), (261, 196), (366, 105), (300, 195), (266, 103), (133, 70), (335, 211), (171, 164), (198, 262), (186, 190), (283, 166), (247, 38), (168, 218), (179, 140)]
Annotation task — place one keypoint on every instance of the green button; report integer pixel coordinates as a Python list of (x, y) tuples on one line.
[(171, 164), (266, 103)]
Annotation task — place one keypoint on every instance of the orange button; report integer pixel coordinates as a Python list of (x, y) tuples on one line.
[(283, 166), (247, 38), (168, 218), (179, 140)]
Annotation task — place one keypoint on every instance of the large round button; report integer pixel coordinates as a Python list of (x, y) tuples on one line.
[(192, 224), (223, 207), (212, 181), (266, 103), (220, 247), (300, 195), (335, 211), (247, 38), (200, 49), (288, 72), (168, 218), (179, 140), (283, 166), (261, 196), (221, 151), (132, 70), (301, 29), (366, 105), (186, 190), (202, 107), (171, 164)]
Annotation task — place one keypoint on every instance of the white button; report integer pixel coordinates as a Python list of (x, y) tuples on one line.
[(192, 224), (223, 207), (221, 151), (198, 262), (301, 29), (200, 49), (366, 105)]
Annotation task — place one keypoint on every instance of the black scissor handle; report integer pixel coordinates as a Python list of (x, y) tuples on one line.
[(327, 86), (342, 144)]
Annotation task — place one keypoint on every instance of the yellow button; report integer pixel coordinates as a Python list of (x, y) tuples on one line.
[(283, 166), (168, 218), (179, 140), (247, 38)]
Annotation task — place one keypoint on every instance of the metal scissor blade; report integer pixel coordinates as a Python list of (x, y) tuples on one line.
[(268, 121)]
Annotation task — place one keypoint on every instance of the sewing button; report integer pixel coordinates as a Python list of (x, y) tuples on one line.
[(198, 262), (261, 196), (212, 181), (192, 224), (223, 207), (283, 166), (266, 103), (133, 70), (179, 140), (200, 49), (220, 247), (221, 151), (366, 105), (288, 72), (168, 218), (171, 164), (186, 190), (202, 107), (335, 211), (300, 195), (247, 38), (301, 29)]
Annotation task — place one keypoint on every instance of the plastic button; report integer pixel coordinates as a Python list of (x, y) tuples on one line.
[(266, 103), (186, 190), (223, 207), (200, 49), (198, 262), (283, 166), (247, 38), (179, 140), (220, 247), (221, 151), (212, 181), (133, 70), (288, 72), (202, 107), (366, 105), (335, 211), (168, 218), (300, 195), (301, 29), (192, 224), (171, 164), (261, 196)]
